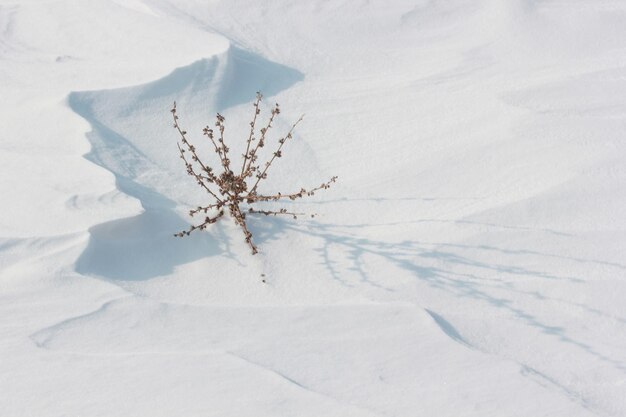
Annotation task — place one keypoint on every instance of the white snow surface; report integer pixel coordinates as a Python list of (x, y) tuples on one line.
[(470, 261)]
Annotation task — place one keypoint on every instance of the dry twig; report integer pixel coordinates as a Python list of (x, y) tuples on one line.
[(227, 190)]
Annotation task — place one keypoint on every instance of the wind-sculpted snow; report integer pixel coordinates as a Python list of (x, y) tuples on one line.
[(366, 362), (142, 247), (469, 262)]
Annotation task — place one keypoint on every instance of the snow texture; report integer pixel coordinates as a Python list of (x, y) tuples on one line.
[(471, 260)]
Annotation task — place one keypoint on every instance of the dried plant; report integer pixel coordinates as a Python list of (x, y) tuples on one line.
[(231, 189)]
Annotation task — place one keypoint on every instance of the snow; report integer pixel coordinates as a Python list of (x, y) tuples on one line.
[(470, 261)]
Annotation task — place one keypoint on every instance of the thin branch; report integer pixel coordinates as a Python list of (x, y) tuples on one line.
[(199, 179), (253, 153), (302, 193), (204, 209), (276, 154), (202, 226), (223, 147), (277, 213), (208, 132), (259, 96), (240, 219)]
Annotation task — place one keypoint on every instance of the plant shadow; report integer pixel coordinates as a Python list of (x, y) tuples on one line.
[(445, 267)]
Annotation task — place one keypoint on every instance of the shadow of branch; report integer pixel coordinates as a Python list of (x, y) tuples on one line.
[(449, 274)]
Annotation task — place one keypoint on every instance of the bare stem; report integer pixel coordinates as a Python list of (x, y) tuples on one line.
[(303, 192), (275, 155), (259, 96), (202, 226), (252, 157), (199, 178), (277, 213), (240, 219)]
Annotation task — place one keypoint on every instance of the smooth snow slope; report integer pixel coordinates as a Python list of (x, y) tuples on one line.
[(471, 261)]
